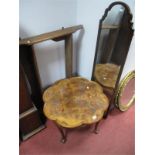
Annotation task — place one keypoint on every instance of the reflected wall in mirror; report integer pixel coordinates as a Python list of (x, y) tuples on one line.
[(114, 37), (126, 92)]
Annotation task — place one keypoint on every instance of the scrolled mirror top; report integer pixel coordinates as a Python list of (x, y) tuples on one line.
[(114, 4)]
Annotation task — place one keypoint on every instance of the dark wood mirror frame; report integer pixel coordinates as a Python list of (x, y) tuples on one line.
[(123, 43)]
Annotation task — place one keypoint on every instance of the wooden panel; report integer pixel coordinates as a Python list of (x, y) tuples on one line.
[(28, 112), (33, 132), (50, 35), (24, 96), (28, 63), (30, 123), (68, 55)]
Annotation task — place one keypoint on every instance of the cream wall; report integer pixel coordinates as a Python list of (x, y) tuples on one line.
[(40, 16)]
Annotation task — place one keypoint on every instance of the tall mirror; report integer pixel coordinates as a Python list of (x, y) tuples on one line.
[(114, 37)]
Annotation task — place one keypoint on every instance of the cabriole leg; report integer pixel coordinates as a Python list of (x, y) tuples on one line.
[(96, 131), (63, 132)]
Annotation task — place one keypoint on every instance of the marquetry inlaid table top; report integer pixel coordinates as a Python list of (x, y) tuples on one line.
[(74, 102)]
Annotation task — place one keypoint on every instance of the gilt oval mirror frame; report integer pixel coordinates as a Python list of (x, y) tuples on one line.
[(113, 42), (126, 88)]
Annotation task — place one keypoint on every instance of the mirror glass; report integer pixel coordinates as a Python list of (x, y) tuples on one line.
[(127, 96), (112, 47)]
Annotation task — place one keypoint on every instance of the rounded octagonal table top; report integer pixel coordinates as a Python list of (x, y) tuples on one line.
[(75, 101)]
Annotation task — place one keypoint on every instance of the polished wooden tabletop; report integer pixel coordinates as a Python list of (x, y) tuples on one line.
[(74, 102)]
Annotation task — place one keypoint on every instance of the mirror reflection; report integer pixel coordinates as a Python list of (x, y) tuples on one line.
[(109, 55), (127, 96)]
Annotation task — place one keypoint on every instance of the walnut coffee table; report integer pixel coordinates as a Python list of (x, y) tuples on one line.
[(74, 102)]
